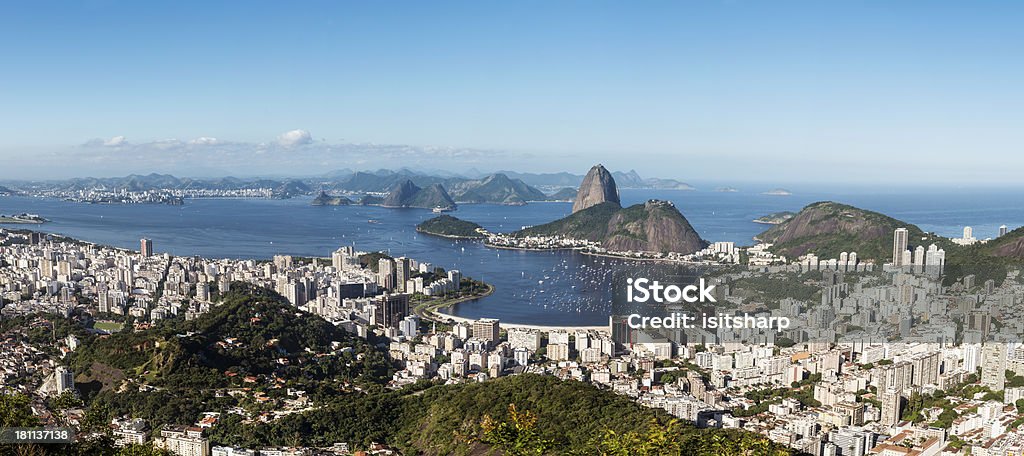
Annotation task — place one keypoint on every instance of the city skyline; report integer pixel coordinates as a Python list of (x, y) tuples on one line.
[(799, 92)]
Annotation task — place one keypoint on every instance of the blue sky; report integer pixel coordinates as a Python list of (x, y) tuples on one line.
[(781, 90)]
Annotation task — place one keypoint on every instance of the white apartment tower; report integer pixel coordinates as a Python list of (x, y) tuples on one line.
[(899, 246)]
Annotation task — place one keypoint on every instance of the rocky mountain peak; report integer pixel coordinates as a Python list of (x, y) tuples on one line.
[(597, 187)]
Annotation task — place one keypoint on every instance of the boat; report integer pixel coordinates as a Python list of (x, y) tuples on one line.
[(372, 221), (439, 209)]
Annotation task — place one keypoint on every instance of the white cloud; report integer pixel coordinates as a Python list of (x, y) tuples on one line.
[(204, 141), (295, 138), (119, 140)]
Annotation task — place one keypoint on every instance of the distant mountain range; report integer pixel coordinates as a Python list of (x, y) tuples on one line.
[(499, 188), (628, 179), (285, 188)]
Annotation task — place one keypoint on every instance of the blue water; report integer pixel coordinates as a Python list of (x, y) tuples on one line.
[(546, 288)]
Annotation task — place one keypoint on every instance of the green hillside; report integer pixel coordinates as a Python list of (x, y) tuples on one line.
[(590, 223), (253, 332), (654, 226), (828, 228), (571, 418)]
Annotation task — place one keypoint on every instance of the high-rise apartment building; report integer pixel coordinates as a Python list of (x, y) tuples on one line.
[(487, 329), (892, 407), (402, 273), (390, 310), (899, 246), (386, 273), (341, 259), (993, 366), (146, 247)]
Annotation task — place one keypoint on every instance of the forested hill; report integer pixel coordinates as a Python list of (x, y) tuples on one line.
[(827, 228), (553, 417), (253, 339)]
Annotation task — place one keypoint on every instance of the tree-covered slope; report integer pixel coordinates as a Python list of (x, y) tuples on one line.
[(571, 418), (655, 226), (590, 223), (253, 338), (446, 225), (827, 228)]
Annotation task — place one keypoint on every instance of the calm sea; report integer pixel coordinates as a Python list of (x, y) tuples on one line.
[(542, 288)]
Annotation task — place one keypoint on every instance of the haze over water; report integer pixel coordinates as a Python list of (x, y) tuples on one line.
[(542, 288)]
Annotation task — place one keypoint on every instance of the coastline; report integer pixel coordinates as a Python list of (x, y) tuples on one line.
[(527, 249), (604, 255), (432, 312), (429, 311), (13, 221)]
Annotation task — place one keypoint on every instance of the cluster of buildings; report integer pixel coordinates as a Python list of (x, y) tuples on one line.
[(847, 262), (153, 196), (60, 276), (931, 261), (501, 240), (889, 362), (719, 252), (114, 196), (478, 350)]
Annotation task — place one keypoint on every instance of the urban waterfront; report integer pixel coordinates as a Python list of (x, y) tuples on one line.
[(540, 288)]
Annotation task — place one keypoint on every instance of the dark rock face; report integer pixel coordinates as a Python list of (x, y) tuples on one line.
[(655, 226), (597, 187), (401, 194), (1013, 248), (407, 194), (433, 196)]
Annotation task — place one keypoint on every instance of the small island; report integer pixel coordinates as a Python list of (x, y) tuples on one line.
[(778, 192), (22, 219), (323, 199), (726, 190), (775, 218), (452, 227)]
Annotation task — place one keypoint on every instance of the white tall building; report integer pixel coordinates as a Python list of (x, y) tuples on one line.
[(993, 366), (410, 326), (934, 259), (65, 380), (899, 246)]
